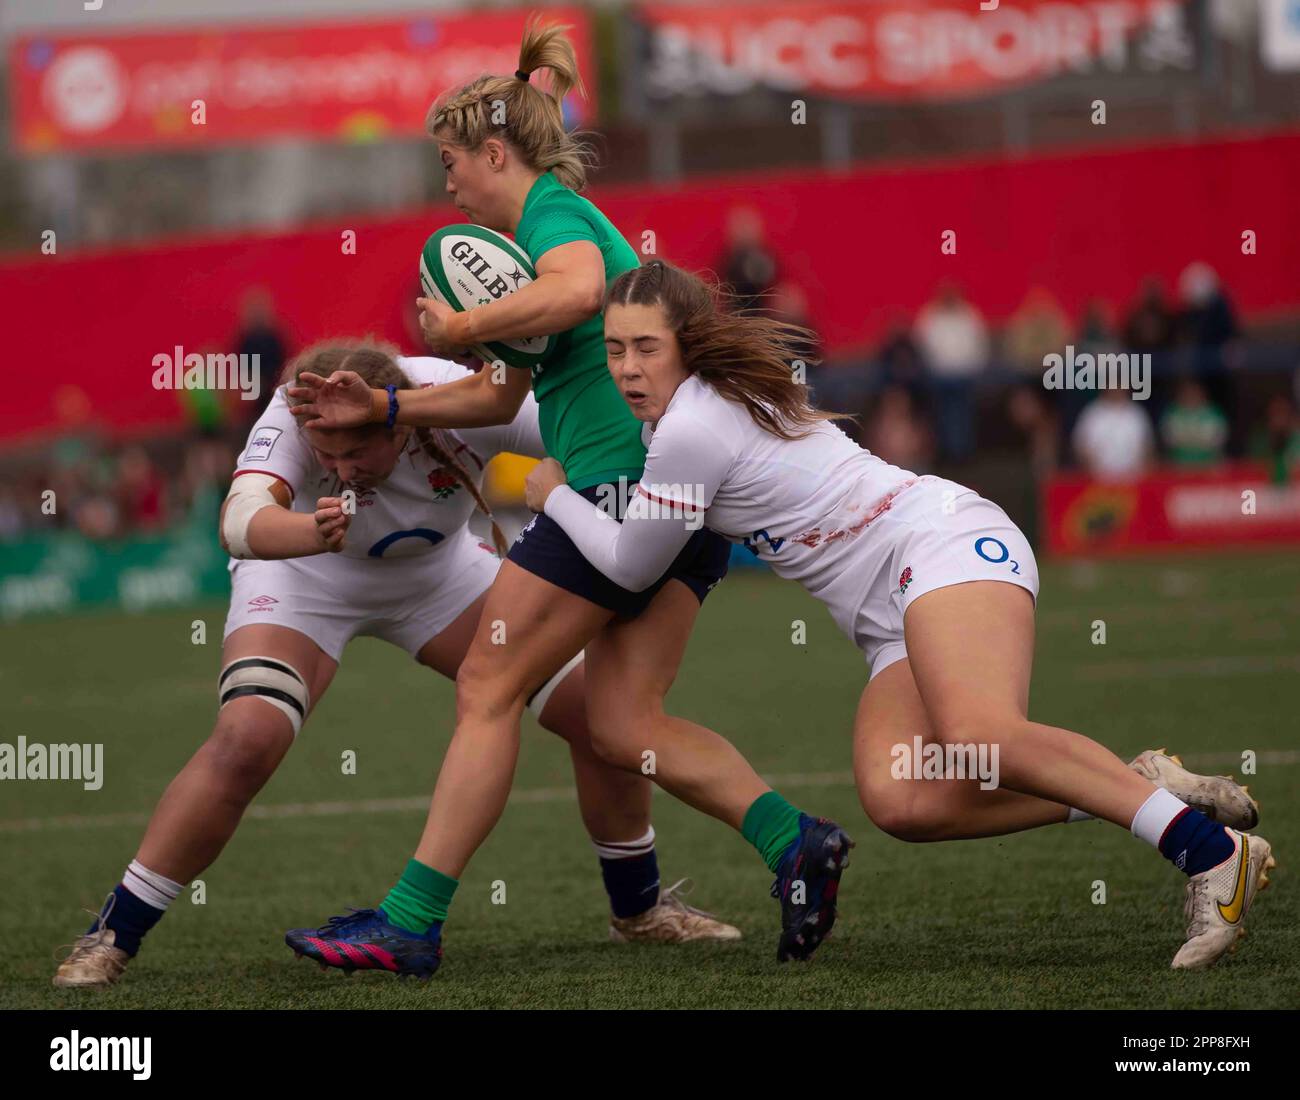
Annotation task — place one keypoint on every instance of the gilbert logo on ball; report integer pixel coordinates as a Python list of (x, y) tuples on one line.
[(465, 266)]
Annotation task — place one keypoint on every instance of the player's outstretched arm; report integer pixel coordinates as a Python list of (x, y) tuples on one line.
[(634, 553), (492, 396), (684, 467)]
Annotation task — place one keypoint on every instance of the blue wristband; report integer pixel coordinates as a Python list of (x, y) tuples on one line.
[(392, 405)]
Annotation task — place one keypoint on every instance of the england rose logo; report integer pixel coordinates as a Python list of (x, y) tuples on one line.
[(443, 483)]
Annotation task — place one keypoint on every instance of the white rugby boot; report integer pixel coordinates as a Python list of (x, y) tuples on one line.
[(1218, 900), (671, 920), (1219, 797), (94, 961)]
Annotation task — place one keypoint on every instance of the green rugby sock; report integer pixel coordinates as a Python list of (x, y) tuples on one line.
[(771, 825), (420, 898)]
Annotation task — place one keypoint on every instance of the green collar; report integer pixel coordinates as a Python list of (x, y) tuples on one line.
[(545, 182)]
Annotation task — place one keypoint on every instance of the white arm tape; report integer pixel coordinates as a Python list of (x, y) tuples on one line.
[(249, 493)]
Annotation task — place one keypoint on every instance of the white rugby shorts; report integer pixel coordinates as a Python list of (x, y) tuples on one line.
[(935, 533), (332, 598)]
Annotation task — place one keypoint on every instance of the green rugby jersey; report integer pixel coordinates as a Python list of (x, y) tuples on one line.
[(586, 425)]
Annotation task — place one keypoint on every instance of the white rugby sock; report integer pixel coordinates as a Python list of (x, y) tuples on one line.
[(149, 886), (1077, 815), (625, 849), (1154, 816)]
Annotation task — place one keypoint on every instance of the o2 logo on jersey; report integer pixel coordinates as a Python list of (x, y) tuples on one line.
[(987, 547), (752, 541)]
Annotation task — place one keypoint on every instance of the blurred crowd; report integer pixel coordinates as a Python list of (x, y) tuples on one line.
[(941, 383), (105, 488), (942, 388)]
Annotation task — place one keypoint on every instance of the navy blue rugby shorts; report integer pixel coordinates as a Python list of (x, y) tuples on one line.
[(546, 551)]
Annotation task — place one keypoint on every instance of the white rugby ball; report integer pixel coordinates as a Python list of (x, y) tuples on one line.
[(465, 266)]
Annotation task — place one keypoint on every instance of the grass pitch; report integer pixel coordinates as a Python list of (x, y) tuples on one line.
[(1202, 655)]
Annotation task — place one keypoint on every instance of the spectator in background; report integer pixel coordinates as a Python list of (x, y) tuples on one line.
[(1038, 328), (1036, 418), (209, 412), (140, 491), (897, 433), (1096, 336), (80, 467), (1028, 409), (1150, 326), (1207, 327), (204, 480), (12, 520), (1193, 431), (1097, 329), (260, 335), (1113, 439), (900, 359), (954, 344), (1278, 442), (96, 517), (748, 265)]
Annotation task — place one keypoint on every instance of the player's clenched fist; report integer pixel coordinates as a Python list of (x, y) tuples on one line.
[(331, 523), (436, 322)]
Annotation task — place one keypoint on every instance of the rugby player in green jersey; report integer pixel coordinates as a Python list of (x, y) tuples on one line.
[(512, 167)]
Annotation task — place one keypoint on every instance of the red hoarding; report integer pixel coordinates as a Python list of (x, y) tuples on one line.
[(864, 245), (334, 81), (1229, 506)]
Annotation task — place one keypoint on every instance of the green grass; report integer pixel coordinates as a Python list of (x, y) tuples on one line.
[(1202, 654)]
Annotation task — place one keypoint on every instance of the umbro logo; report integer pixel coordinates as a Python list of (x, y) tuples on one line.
[(261, 603)]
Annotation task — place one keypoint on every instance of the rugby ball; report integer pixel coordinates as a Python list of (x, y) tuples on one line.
[(464, 266)]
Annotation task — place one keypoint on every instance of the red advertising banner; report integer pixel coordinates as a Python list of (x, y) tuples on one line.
[(895, 49), (1230, 506), (336, 81), (1021, 223)]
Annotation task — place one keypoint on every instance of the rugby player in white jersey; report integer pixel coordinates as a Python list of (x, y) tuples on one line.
[(935, 584), (336, 533)]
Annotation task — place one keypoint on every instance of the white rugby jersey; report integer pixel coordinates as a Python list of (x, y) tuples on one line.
[(421, 504), (798, 504)]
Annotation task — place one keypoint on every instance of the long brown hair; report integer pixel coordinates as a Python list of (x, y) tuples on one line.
[(745, 355), (533, 117), (376, 363)]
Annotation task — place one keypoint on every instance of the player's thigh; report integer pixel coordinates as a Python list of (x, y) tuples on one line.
[(890, 713), (631, 665), (445, 651), (528, 629), (971, 651)]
